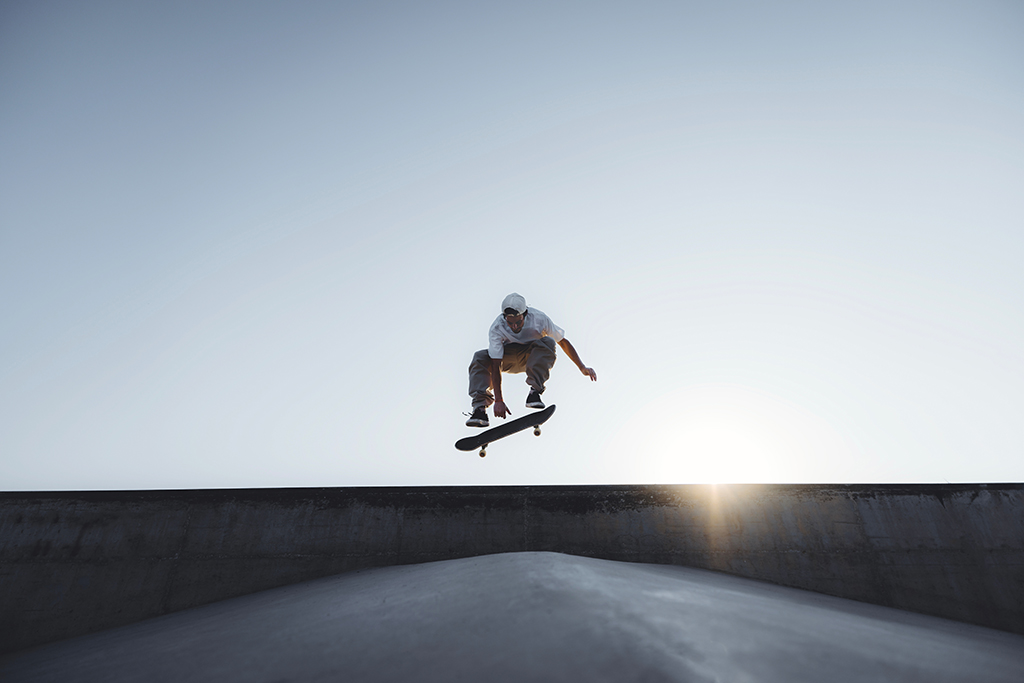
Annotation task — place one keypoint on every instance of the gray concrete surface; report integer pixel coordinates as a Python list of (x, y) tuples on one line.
[(76, 562), (532, 617)]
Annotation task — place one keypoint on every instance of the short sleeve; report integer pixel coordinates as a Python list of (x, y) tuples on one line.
[(552, 330)]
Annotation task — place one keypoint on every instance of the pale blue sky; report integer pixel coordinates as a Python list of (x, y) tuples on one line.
[(256, 244)]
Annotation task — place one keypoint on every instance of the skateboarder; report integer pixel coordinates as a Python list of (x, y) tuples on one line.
[(521, 339)]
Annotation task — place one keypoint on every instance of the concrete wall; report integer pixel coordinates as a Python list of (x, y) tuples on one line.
[(71, 563)]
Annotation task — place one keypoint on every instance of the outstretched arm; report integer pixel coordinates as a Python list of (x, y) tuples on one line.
[(575, 357), (500, 409)]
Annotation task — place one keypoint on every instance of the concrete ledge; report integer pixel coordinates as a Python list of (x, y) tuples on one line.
[(76, 562)]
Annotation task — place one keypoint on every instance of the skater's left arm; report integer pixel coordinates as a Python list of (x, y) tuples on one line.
[(575, 357)]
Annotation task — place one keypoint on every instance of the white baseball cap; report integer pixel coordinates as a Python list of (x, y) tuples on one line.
[(516, 302)]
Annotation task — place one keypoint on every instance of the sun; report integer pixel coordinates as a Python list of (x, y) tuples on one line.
[(726, 433)]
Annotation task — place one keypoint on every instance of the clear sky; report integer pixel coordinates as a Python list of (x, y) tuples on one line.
[(256, 244)]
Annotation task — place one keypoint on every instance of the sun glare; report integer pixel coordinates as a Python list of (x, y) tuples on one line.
[(725, 433)]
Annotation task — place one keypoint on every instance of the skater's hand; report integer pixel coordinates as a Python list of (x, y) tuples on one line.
[(500, 409), (589, 372)]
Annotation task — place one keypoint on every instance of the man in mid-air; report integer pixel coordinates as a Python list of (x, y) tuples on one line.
[(521, 339)]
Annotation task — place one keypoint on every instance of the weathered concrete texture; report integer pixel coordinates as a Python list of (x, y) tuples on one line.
[(532, 617), (72, 563)]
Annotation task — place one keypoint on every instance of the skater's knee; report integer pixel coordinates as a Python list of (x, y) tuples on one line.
[(481, 357), (543, 353), (545, 347)]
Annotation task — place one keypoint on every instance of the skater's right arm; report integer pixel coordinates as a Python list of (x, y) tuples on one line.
[(500, 409)]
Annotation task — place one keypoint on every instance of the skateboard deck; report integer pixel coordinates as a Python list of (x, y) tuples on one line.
[(491, 435)]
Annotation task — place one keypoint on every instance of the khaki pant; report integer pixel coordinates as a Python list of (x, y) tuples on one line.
[(535, 359)]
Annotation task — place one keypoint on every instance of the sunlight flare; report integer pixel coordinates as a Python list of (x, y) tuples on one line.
[(727, 433)]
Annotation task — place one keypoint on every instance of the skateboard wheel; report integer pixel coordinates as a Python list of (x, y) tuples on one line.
[(536, 431), (483, 452)]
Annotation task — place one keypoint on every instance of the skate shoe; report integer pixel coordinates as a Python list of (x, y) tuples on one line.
[(478, 418), (534, 400)]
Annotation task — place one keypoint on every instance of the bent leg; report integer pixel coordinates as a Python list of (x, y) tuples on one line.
[(480, 380), (539, 363)]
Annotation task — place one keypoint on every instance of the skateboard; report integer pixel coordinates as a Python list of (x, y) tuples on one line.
[(488, 436)]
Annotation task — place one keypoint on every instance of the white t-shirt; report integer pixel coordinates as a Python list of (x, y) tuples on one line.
[(536, 325)]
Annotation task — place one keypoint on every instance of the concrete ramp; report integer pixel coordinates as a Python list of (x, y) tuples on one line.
[(78, 562), (532, 616)]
